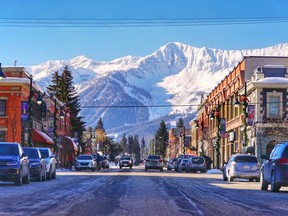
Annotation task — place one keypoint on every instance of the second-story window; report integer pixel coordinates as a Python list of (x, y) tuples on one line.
[(274, 105), (2, 107)]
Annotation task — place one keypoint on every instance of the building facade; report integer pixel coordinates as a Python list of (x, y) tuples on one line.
[(31, 117), (259, 86)]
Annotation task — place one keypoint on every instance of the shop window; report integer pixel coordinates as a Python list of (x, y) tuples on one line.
[(2, 107), (2, 136)]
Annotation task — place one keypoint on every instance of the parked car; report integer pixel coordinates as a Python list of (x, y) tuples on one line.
[(125, 162), (14, 163), (196, 164), (154, 162), (37, 163), (85, 162), (274, 170), (51, 163), (242, 166), (182, 165), (171, 164)]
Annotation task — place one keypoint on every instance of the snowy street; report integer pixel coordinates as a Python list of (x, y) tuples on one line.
[(136, 192)]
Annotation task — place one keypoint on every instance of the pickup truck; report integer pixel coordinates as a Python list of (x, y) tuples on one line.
[(14, 164), (51, 163)]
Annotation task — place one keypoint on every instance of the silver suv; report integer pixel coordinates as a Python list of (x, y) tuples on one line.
[(51, 163), (85, 162), (154, 162), (196, 164), (242, 166)]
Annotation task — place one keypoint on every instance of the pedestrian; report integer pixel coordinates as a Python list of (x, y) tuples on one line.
[(71, 159)]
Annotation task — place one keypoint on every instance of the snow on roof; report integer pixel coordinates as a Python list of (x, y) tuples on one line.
[(273, 80), (274, 66)]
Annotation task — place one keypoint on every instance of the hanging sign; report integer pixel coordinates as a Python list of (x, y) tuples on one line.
[(251, 114), (222, 127)]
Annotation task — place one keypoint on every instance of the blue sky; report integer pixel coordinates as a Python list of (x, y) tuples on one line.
[(32, 31)]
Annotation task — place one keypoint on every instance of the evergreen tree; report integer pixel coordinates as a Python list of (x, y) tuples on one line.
[(143, 147), (100, 124), (136, 149), (123, 143), (180, 123), (62, 87), (130, 144), (161, 139)]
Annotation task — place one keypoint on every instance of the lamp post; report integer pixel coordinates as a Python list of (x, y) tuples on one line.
[(244, 100), (30, 119), (217, 145), (183, 140), (218, 137)]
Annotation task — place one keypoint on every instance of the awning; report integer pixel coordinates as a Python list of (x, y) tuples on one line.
[(41, 137), (69, 143)]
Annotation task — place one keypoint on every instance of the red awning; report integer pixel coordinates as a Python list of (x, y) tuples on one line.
[(69, 144), (41, 137)]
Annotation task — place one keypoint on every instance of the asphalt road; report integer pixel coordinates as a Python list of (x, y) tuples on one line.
[(136, 192)]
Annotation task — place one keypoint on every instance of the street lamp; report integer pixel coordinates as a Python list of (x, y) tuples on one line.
[(244, 100), (30, 119), (217, 145), (183, 140)]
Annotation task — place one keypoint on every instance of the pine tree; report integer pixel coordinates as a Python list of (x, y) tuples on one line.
[(130, 144), (161, 139), (100, 124), (123, 143), (62, 87), (143, 147), (136, 149), (180, 123)]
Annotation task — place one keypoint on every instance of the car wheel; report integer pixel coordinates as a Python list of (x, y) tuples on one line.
[(26, 179), (225, 178), (130, 167), (230, 178), (40, 177), (49, 176), (264, 184), (274, 186), (251, 179), (44, 175), (146, 169), (19, 180), (161, 169), (120, 167), (54, 174)]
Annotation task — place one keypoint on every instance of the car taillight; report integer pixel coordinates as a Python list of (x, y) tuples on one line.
[(160, 161), (282, 161), (258, 165), (233, 163)]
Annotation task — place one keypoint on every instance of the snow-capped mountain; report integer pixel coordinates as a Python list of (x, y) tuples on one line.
[(133, 91)]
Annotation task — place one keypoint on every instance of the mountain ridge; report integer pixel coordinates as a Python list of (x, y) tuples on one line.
[(132, 90)]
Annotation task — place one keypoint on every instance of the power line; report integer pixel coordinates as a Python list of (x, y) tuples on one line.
[(110, 23)]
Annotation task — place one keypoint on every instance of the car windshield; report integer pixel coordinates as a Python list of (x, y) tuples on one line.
[(184, 160), (154, 157), (9, 149), (285, 154), (32, 153), (84, 157), (245, 158), (197, 160), (44, 153)]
